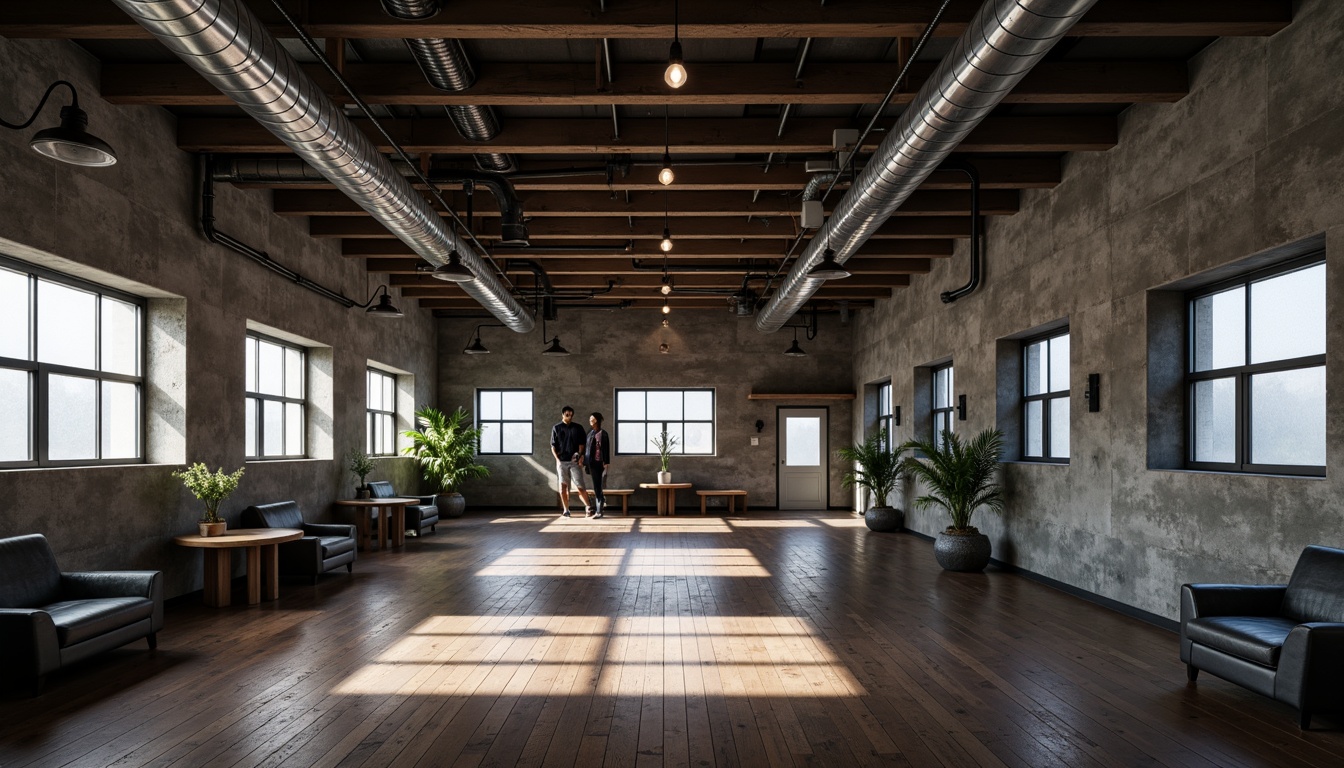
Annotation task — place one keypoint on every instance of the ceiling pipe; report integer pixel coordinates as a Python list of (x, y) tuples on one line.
[(1004, 40), (814, 184), (224, 42), (730, 268), (292, 170), (447, 67)]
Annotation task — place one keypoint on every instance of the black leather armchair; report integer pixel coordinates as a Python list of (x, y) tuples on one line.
[(324, 547), (49, 619), (419, 517), (1285, 642)]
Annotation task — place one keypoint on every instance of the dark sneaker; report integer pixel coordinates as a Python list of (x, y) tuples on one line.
[(565, 513)]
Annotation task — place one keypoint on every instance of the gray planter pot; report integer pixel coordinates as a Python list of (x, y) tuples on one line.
[(964, 552), (884, 519), (450, 504)]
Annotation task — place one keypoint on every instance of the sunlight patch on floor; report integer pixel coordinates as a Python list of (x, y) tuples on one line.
[(493, 656), (844, 522), (581, 524), (694, 562), (556, 561), (771, 523), (616, 561)]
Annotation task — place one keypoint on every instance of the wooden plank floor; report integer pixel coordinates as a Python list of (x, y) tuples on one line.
[(773, 639)]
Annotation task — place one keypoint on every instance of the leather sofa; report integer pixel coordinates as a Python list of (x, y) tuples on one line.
[(324, 546), (419, 517), (50, 619), (1285, 642)]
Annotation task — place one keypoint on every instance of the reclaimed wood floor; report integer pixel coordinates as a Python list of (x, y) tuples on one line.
[(771, 639)]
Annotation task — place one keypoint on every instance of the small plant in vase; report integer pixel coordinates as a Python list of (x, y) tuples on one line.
[(664, 444), (361, 466), (211, 488)]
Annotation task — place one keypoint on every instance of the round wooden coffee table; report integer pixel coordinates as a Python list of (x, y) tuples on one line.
[(667, 495), (386, 510), (263, 561)]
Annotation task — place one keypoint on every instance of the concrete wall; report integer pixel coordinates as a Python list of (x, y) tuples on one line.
[(1251, 160), (137, 222), (620, 348)]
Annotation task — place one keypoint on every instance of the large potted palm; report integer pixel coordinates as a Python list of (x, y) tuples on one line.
[(959, 477), (446, 448), (877, 469)]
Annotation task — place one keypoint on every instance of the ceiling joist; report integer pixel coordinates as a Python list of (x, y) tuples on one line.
[(643, 249)]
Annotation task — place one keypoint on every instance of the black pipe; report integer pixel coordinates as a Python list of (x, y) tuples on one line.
[(977, 253), (512, 227), (639, 266), (557, 173), (629, 246), (260, 257), (550, 291)]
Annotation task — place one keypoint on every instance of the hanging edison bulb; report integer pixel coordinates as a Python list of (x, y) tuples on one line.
[(666, 244), (675, 75), (666, 176)]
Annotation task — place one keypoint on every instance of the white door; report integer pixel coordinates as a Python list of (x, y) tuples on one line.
[(802, 458)]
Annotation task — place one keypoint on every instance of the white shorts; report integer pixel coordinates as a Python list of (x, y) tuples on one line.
[(570, 472)]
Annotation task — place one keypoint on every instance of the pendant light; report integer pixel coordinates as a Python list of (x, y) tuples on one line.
[(384, 307), (69, 142), (554, 349), (665, 175), (795, 350), (666, 244), (829, 268), (675, 75), (454, 271)]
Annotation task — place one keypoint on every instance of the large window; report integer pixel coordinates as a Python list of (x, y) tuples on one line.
[(1045, 398), (884, 419), (943, 403), (71, 367), (504, 417), (1256, 373), (381, 414), (276, 398), (686, 414)]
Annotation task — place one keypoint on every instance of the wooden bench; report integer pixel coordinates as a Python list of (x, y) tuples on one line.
[(624, 493), (732, 499)]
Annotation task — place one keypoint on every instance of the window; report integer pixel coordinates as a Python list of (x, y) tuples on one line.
[(1255, 381), (884, 420), (71, 367), (381, 414), (504, 417), (1045, 398), (686, 414), (276, 398), (942, 403)]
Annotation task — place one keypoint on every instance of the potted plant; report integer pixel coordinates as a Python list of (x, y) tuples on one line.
[(876, 469), (361, 466), (211, 488), (446, 449), (664, 444), (960, 477)]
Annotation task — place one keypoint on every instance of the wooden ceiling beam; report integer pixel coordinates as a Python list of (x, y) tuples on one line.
[(462, 301), (423, 285), (995, 173), (540, 83), (914, 227), (603, 267), (678, 204), (356, 19), (724, 250), (688, 136)]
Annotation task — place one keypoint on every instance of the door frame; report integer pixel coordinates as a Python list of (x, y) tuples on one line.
[(825, 450)]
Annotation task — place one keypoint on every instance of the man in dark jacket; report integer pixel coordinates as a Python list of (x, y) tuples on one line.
[(567, 440)]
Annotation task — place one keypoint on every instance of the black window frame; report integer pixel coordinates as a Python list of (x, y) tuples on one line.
[(935, 434), (501, 421), (372, 414), (1242, 374), (259, 413), (884, 412), (648, 449), (1044, 399), (39, 374)]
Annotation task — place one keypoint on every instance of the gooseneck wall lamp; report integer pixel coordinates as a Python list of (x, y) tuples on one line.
[(69, 142), (553, 348), (675, 75), (476, 347), (384, 307)]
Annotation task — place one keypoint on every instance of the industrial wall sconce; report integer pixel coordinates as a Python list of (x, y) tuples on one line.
[(961, 407), (675, 75), (811, 327), (476, 347), (760, 425), (1093, 392), (384, 306), (554, 349), (68, 143), (896, 416)]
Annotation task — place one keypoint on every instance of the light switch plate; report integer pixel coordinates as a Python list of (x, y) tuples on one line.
[(755, 441)]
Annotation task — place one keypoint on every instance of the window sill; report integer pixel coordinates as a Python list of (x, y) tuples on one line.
[(1029, 463), (139, 465), (282, 461), (1184, 471)]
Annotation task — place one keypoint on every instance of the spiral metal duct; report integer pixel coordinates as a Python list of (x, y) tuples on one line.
[(224, 42), (447, 68), (1003, 42)]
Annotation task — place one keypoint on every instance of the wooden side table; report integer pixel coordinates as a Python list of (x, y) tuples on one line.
[(386, 510), (667, 495), (263, 562)]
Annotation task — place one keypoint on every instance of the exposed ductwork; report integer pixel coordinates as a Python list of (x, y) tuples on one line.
[(227, 45), (447, 68), (1004, 40), (814, 183)]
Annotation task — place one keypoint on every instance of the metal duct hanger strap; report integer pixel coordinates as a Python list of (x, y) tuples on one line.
[(227, 45), (1002, 43)]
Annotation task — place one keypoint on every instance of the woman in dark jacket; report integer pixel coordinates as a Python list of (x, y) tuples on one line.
[(596, 459)]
